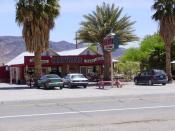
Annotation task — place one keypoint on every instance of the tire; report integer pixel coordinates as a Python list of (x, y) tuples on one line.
[(69, 85), (163, 84), (150, 83), (61, 87), (45, 86), (85, 86), (136, 82), (38, 87)]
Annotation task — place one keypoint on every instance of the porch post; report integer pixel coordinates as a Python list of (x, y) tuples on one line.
[(17, 75), (10, 75)]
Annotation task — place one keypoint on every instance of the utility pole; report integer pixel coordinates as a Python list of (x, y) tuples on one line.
[(76, 40), (112, 79)]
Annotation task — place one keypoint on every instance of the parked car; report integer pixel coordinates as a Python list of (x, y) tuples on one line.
[(75, 79), (50, 81), (151, 77)]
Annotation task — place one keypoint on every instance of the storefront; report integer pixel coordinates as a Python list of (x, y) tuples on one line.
[(83, 60), (62, 65)]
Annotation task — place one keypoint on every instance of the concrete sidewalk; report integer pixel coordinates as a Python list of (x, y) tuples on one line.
[(24, 93)]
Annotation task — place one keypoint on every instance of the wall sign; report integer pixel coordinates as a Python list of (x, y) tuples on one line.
[(75, 59), (89, 59), (62, 60)]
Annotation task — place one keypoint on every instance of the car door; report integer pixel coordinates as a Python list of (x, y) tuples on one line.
[(41, 81), (146, 77), (142, 77)]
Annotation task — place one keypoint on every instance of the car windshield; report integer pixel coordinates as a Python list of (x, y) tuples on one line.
[(159, 72), (77, 76), (53, 76)]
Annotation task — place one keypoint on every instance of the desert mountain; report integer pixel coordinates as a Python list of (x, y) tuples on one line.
[(11, 46)]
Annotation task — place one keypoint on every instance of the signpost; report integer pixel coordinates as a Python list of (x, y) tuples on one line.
[(108, 45)]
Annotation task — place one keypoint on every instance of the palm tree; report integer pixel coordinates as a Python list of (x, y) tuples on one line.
[(165, 15), (106, 19), (37, 18)]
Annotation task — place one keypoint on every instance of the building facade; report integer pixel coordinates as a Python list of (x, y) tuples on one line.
[(82, 60)]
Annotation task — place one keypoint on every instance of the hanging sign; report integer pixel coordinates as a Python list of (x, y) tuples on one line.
[(108, 42)]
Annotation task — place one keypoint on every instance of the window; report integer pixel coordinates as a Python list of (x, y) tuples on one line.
[(77, 76), (144, 73), (83, 69), (52, 76)]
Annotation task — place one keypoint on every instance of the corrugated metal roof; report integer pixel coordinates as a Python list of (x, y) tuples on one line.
[(19, 59), (74, 52)]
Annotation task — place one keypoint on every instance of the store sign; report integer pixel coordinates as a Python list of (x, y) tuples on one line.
[(42, 61), (62, 60), (67, 60), (93, 60), (75, 59)]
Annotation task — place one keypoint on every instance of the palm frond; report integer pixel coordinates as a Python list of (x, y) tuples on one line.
[(104, 20), (37, 18)]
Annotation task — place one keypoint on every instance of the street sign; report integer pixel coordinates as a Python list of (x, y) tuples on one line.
[(111, 42), (108, 43)]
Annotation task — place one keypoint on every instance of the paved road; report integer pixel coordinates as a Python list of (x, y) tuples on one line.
[(153, 112), (23, 93)]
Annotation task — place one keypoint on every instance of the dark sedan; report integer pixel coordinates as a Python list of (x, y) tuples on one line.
[(151, 77)]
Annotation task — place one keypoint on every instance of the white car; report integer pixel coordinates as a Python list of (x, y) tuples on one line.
[(75, 79)]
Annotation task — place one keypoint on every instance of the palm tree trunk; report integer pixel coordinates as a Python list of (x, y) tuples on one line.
[(168, 61), (107, 65), (37, 60)]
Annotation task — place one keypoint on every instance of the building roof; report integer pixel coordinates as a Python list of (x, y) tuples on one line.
[(19, 59), (73, 52)]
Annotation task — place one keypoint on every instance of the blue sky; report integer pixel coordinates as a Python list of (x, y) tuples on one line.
[(71, 14)]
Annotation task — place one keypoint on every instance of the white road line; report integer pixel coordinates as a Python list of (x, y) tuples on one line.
[(88, 111)]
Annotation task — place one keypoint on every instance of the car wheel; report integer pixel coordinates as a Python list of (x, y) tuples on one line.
[(37, 86), (85, 86), (150, 83), (163, 84), (136, 82), (45, 86), (61, 87), (69, 85)]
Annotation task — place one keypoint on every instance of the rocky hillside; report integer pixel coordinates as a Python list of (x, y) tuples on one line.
[(11, 46)]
